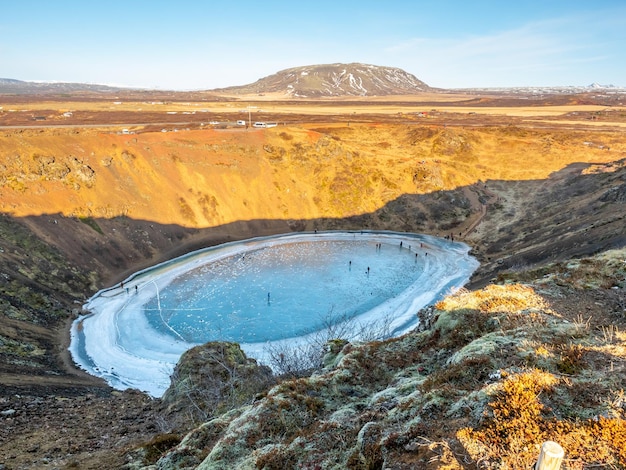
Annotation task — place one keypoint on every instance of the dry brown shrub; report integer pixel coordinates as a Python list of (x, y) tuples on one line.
[(159, 444), (469, 374), (186, 210), (276, 458), (571, 359)]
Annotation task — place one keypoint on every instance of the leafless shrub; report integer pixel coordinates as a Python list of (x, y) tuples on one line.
[(303, 359), (610, 333), (213, 378), (581, 326)]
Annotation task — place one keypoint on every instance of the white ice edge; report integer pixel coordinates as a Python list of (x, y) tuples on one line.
[(147, 360)]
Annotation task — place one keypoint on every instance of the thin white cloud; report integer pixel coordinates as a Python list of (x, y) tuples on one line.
[(528, 54)]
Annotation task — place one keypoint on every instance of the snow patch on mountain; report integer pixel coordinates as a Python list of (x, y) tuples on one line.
[(336, 80)]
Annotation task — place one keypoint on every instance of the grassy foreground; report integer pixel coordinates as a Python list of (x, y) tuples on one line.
[(489, 377)]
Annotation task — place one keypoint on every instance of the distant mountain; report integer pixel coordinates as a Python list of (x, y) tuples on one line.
[(9, 81), (311, 81), (550, 90), (19, 87), (597, 85), (333, 80)]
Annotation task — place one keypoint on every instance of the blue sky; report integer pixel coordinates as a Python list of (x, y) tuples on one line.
[(191, 45)]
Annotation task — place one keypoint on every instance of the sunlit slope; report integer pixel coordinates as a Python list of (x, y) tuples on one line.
[(207, 178)]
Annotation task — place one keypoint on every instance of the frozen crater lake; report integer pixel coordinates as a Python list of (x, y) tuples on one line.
[(261, 293)]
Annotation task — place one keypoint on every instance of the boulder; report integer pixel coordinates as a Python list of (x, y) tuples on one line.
[(213, 378)]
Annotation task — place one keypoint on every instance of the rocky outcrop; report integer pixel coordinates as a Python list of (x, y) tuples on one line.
[(212, 378), (25, 170), (615, 194)]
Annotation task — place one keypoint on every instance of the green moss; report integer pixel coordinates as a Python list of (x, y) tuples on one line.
[(89, 221), (19, 348), (484, 346), (447, 321)]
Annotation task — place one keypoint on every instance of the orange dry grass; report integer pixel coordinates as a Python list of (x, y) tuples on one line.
[(494, 298), (282, 173), (403, 104), (518, 422)]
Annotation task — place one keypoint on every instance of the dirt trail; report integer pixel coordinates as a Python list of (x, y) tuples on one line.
[(476, 195)]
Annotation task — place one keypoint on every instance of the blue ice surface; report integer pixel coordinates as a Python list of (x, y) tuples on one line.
[(282, 291), (259, 292)]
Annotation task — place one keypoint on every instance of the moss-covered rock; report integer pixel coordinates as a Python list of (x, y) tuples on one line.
[(213, 378)]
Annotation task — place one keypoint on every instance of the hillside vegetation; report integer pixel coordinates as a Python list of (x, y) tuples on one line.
[(490, 376), (534, 351)]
